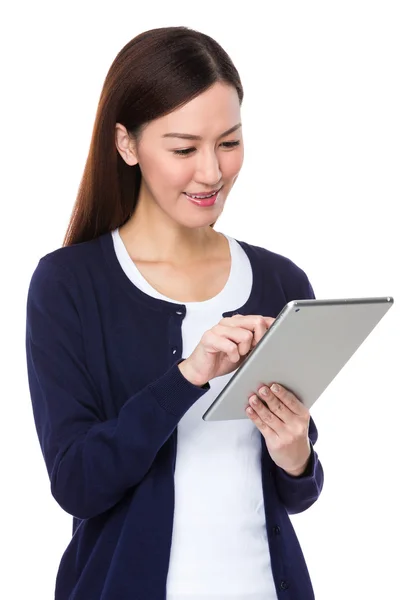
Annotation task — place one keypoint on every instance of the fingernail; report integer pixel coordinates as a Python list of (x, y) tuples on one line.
[(263, 391), (275, 387)]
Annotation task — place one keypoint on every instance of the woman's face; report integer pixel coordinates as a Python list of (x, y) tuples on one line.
[(172, 165)]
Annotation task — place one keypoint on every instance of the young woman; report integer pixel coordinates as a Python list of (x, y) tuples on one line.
[(133, 328)]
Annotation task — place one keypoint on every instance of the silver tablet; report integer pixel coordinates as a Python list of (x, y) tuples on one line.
[(305, 348)]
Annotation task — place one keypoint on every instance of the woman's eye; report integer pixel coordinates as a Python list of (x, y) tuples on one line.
[(188, 151)]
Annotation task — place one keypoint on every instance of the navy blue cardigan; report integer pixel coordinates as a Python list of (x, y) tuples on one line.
[(107, 396)]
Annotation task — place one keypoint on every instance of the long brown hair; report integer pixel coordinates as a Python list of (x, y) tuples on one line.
[(155, 73)]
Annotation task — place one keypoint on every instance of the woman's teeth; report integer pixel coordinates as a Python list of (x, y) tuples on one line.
[(201, 197), (207, 200)]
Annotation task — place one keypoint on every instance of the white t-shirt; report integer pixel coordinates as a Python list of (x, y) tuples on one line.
[(219, 548)]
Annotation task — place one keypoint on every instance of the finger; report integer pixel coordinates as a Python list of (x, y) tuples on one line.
[(265, 414), (216, 343), (268, 321), (289, 399), (261, 325), (269, 434), (235, 339), (276, 406), (257, 324)]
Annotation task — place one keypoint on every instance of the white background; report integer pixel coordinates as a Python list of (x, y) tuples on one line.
[(329, 179)]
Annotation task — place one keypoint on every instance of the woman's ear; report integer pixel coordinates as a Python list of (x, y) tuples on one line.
[(125, 145)]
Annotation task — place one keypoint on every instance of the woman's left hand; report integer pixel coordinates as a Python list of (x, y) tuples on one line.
[(284, 423)]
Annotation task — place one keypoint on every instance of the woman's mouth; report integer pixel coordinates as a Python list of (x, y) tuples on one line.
[(203, 200)]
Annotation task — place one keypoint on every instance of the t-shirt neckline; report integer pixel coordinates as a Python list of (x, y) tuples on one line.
[(135, 275), (122, 280)]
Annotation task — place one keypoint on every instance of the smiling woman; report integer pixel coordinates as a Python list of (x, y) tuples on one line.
[(164, 92), (207, 169), (134, 327)]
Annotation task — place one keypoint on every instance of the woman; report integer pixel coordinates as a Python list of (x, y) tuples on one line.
[(135, 325)]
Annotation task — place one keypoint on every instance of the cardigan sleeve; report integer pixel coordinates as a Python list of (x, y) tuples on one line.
[(91, 462)]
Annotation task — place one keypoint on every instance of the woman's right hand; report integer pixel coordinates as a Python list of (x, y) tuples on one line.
[(224, 347)]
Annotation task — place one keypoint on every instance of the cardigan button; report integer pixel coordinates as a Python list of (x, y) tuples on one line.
[(284, 585), (276, 530)]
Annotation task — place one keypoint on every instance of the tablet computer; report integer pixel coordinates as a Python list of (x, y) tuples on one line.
[(304, 349)]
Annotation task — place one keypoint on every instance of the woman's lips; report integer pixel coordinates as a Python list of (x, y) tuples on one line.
[(201, 194), (204, 201)]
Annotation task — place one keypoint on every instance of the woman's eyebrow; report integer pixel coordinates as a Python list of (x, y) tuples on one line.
[(189, 136)]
